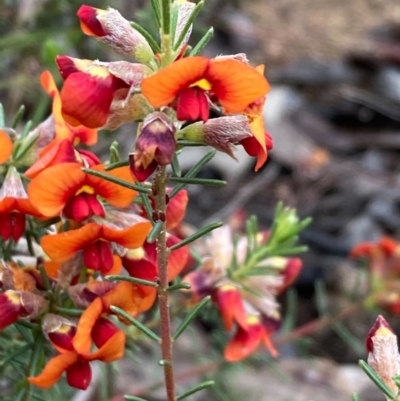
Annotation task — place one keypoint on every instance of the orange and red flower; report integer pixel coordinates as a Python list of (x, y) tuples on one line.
[(95, 241), (16, 304), (66, 188), (109, 340), (142, 262), (247, 340), (90, 87), (14, 206), (132, 298), (188, 81)]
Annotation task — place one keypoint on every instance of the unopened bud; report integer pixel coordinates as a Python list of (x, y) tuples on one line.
[(383, 354), (220, 133), (111, 28)]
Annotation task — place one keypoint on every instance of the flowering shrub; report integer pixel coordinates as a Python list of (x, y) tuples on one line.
[(91, 247)]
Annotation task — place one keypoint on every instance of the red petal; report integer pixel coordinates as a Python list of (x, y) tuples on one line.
[(176, 209), (102, 331), (89, 24), (86, 99), (79, 375)]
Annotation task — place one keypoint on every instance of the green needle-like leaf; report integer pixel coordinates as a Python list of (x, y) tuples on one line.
[(188, 24), (149, 333), (115, 180), (194, 171), (190, 317), (18, 116), (153, 44), (134, 280), (155, 4), (198, 181), (114, 153), (25, 146), (158, 226), (2, 119), (202, 43), (176, 168), (69, 311), (203, 231), (195, 389), (375, 378), (121, 163), (179, 286), (133, 398)]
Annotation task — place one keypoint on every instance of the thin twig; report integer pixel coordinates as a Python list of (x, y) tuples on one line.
[(163, 295)]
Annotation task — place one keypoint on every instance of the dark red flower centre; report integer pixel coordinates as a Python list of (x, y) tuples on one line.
[(192, 104), (83, 206), (12, 225), (98, 256)]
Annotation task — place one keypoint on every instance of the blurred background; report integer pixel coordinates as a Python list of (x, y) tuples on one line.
[(334, 115)]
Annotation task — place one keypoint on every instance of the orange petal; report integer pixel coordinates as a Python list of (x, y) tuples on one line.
[(48, 83), (244, 342), (235, 84), (6, 146), (115, 194), (53, 370), (131, 237), (258, 130), (86, 98), (161, 88), (53, 187), (176, 209), (82, 341), (230, 305), (25, 206), (111, 351), (130, 297), (52, 268), (177, 259), (62, 247), (56, 152), (8, 204)]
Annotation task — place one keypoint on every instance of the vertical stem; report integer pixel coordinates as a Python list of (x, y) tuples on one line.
[(159, 186)]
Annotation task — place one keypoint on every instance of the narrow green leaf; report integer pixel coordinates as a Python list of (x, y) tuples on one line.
[(176, 168), (133, 398), (15, 354), (115, 180), (198, 181), (375, 378), (195, 389), (18, 116), (355, 397), (134, 280), (69, 311), (179, 286), (153, 44), (194, 171), (26, 130), (149, 333), (196, 235), (37, 349), (203, 42), (153, 234), (190, 317), (155, 4), (115, 165), (25, 146), (114, 154), (166, 16), (45, 278), (21, 394), (188, 24), (147, 205)]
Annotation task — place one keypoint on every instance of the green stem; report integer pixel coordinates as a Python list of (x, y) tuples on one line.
[(159, 187)]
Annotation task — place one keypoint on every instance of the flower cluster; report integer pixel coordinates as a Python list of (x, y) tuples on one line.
[(383, 267), (85, 235), (244, 283)]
